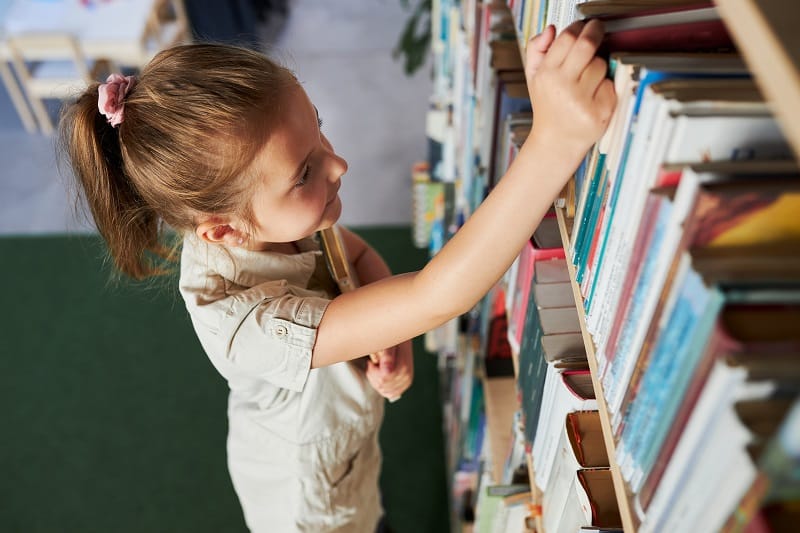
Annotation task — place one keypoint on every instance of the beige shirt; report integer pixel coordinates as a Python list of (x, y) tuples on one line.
[(302, 444)]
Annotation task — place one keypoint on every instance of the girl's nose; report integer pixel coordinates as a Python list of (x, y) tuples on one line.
[(338, 167)]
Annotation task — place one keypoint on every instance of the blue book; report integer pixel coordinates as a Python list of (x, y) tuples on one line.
[(637, 410), (512, 97), (677, 376), (589, 228), (580, 227), (611, 376), (693, 315)]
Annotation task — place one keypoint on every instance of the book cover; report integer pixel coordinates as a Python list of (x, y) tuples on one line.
[(639, 336), (672, 365), (512, 97), (644, 238), (531, 260), (691, 130), (647, 143), (749, 332), (533, 369), (561, 398)]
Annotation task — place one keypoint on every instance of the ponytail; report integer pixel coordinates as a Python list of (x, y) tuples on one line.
[(193, 123), (129, 226)]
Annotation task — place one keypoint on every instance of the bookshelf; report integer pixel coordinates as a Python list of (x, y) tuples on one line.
[(765, 33), (629, 521)]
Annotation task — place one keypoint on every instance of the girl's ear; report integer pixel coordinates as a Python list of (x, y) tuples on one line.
[(215, 230)]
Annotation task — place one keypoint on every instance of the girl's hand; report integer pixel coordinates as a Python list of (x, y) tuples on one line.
[(392, 375), (571, 97)]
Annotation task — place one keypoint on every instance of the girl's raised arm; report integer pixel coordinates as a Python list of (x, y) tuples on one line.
[(573, 102)]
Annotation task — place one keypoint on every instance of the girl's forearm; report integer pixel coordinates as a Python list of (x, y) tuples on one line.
[(398, 308), (484, 248), (573, 102)]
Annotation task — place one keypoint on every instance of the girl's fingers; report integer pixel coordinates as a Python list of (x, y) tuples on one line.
[(536, 49), (583, 49), (387, 362), (606, 98), (563, 44), (593, 74)]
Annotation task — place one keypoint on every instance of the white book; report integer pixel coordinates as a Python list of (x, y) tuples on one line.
[(558, 401), (693, 455), (546, 428), (652, 134), (577, 509), (564, 502), (625, 360), (629, 181), (723, 472)]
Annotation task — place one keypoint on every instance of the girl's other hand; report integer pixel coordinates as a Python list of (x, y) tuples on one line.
[(571, 96), (392, 375)]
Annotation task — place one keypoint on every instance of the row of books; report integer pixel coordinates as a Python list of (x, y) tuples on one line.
[(559, 411), (684, 219), (684, 245), (467, 52)]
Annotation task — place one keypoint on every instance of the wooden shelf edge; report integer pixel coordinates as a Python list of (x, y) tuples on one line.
[(629, 520), (752, 24), (500, 396)]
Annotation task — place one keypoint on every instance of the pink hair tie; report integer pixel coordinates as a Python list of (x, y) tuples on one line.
[(111, 97)]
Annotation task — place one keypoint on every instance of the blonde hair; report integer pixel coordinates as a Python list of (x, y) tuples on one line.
[(194, 121)]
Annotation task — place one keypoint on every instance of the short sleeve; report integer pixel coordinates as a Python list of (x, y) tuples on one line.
[(268, 332), (275, 339)]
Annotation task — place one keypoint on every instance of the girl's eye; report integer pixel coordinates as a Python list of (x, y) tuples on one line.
[(304, 178), (319, 120)]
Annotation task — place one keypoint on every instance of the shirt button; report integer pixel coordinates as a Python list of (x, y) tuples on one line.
[(280, 331)]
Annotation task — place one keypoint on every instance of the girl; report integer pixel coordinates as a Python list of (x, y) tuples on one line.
[(225, 146)]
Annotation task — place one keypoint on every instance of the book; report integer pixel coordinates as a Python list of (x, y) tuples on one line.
[(671, 364), (511, 97), (685, 28), (532, 262), (580, 491), (680, 133), (711, 442), (643, 322), (532, 372), (752, 331), (560, 397)]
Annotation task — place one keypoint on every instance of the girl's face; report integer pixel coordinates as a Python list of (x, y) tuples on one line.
[(298, 176)]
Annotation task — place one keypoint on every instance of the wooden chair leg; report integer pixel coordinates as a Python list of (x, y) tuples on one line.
[(17, 98), (45, 122)]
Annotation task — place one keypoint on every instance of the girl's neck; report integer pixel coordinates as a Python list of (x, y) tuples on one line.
[(288, 248)]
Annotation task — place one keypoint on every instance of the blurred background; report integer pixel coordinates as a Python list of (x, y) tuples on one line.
[(113, 419)]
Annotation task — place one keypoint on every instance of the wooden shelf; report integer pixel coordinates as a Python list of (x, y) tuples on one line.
[(630, 523), (500, 396), (766, 34)]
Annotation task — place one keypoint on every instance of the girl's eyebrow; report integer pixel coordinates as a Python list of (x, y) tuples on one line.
[(297, 172)]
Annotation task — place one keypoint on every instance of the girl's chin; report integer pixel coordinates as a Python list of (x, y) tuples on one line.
[(333, 211)]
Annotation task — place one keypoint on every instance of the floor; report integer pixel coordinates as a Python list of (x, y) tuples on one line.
[(341, 51)]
